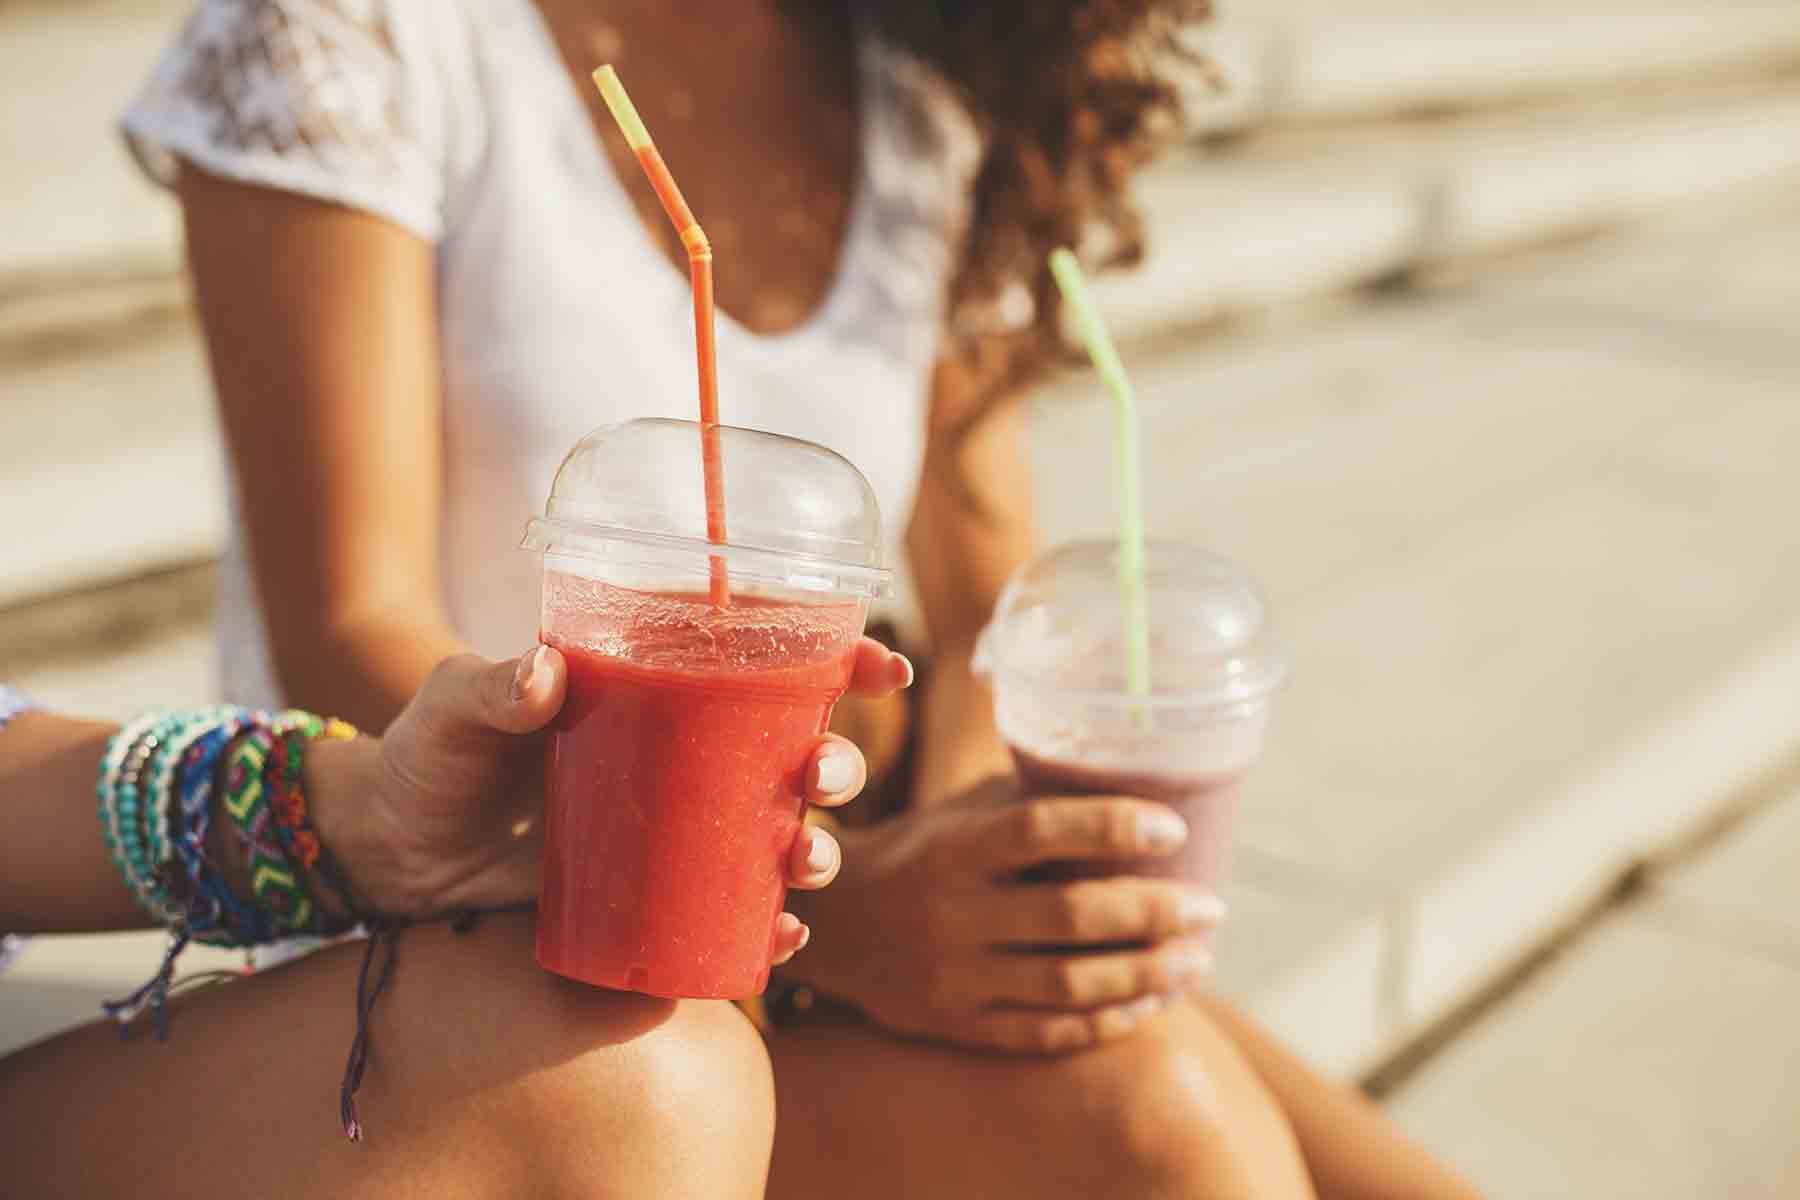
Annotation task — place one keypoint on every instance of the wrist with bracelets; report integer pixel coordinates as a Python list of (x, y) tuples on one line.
[(158, 780)]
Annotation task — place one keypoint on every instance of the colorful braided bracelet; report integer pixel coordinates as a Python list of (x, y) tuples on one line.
[(159, 778)]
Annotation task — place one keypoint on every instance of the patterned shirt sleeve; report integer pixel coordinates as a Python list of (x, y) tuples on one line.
[(323, 98), (12, 703)]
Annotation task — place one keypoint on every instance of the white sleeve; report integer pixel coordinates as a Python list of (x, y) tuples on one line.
[(325, 98)]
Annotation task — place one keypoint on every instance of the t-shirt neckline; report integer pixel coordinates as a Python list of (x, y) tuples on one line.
[(821, 321)]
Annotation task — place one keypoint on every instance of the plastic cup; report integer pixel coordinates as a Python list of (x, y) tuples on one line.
[(675, 778), (1055, 656)]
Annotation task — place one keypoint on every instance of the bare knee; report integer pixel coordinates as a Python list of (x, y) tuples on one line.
[(527, 1084), (685, 1108), (1154, 1104)]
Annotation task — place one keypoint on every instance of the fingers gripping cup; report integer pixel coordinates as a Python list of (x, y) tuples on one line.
[(1055, 654), (675, 776)]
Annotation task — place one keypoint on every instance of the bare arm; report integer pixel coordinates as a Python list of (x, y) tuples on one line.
[(322, 328), (54, 872), (972, 527), (1352, 1150)]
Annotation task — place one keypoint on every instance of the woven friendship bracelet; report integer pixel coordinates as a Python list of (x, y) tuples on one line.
[(275, 885), (157, 799), (293, 822), (214, 913), (265, 800)]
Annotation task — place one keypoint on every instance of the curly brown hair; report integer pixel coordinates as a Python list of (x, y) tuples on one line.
[(1073, 96)]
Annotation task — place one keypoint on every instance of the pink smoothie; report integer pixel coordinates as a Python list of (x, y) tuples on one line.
[(1207, 802)]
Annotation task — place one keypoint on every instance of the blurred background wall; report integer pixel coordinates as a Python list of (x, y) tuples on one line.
[(1469, 325)]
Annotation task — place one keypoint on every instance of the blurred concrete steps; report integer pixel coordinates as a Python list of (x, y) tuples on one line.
[(75, 200), (109, 464), (1286, 61), (1652, 1057), (92, 351), (103, 396), (1301, 61), (1304, 213), (1525, 536)]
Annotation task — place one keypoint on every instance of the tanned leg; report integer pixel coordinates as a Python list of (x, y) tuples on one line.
[(1352, 1150), (489, 1077), (1171, 1112)]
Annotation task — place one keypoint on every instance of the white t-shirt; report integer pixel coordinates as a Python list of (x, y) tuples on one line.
[(458, 120)]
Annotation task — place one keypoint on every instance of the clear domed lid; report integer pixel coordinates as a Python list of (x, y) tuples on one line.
[(796, 514), (1059, 626)]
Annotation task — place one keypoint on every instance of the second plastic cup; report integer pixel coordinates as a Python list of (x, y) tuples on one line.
[(675, 776), (1054, 654)]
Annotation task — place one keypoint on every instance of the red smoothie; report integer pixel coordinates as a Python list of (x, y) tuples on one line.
[(1207, 802), (675, 782)]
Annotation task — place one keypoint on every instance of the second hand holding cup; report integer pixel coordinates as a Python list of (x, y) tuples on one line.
[(1068, 656)]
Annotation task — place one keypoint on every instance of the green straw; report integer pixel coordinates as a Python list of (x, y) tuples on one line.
[(1128, 477)]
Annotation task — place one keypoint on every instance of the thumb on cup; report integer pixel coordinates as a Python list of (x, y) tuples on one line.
[(531, 691), (469, 694)]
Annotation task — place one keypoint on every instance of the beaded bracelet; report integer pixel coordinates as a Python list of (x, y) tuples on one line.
[(123, 804), (119, 747), (133, 805)]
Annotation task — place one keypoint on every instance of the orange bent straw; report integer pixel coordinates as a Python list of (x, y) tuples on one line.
[(700, 259)]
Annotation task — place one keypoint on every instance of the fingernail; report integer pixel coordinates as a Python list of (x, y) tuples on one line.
[(908, 672), (1189, 965), (1201, 908), (822, 855), (1140, 1010), (805, 937), (1161, 829), (835, 774), (526, 674)]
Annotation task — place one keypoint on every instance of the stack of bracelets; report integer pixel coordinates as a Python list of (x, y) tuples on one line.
[(158, 780), (164, 779), (156, 792)]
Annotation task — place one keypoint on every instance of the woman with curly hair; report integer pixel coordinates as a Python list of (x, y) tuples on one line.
[(426, 265)]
